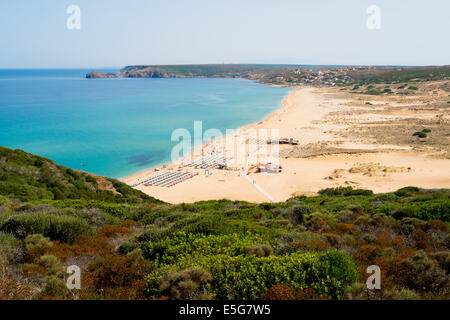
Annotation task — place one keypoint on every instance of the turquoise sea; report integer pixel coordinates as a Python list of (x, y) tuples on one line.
[(115, 127)]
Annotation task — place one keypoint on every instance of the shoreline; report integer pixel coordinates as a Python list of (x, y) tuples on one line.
[(205, 144), (231, 183), (331, 153)]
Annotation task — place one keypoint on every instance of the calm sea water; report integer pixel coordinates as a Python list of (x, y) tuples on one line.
[(115, 127)]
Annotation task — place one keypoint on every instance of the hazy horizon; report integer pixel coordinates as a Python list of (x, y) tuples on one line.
[(117, 33), (282, 64)]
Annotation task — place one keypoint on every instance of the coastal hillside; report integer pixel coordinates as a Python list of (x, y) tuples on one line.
[(189, 71), (414, 74), (29, 177), (287, 75), (211, 71), (130, 246)]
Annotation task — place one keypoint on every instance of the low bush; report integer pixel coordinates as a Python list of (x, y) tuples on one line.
[(61, 228), (181, 246), (250, 277), (298, 213), (424, 275), (401, 294), (339, 191), (407, 191), (345, 191), (115, 270), (184, 284), (10, 247), (55, 288), (263, 250), (420, 134), (203, 224), (36, 242), (51, 263), (443, 259)]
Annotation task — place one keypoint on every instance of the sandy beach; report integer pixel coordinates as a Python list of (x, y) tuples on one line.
[(344, 140)]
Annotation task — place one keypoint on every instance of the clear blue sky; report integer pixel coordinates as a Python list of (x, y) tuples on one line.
[(33, 34)]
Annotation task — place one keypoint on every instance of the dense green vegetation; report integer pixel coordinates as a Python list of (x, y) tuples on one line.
[(410, 75), (130, 246), (212, 70), (29, 177), (291, 75), (422, 134)]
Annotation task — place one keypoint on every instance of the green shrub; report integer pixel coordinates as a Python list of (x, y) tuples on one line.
[(55, 287), (401, 294), (417, 223), (262, 250), (388, 253), (355, 208), (29, 177), (443, 258), (298, 213), (370, 238), (203, 224), (356, 291), (333, 239), (62, 228), (359, 192), (181, 246), (406, 191), (345, 191), (420, 134), (250, 277), (430, 210), (35, 242), (339, 191), (127, 247), (183, 284), (10, 246), (402, 213), (427, 275), (51, 263)]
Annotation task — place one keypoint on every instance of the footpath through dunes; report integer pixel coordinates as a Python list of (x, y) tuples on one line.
[(345, 139)]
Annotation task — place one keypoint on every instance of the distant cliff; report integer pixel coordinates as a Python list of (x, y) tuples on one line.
[(99, 75), (285, 75), (191, 71), (146, 72)]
